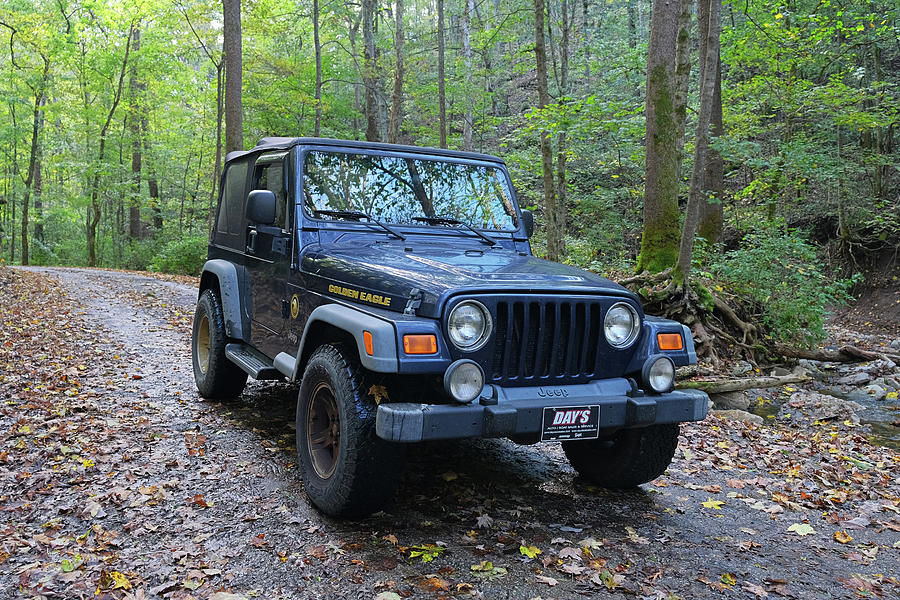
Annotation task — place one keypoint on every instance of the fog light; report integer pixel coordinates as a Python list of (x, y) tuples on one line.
[(463, 381), (659, 374)]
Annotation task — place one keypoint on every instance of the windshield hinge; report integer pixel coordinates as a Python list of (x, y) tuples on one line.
[(414, 302)]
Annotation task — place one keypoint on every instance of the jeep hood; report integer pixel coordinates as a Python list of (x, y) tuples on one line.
[(441, 270)]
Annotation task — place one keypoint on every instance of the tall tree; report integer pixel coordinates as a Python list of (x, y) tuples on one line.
[(95, 214), (661, 233), (710, 65), (397, 96), (370, 68), (712, 216), (466, 25), (33, 177), (136, 88), (234, 120), (562, 153), (442, 91), (555, 241), (317, 47)]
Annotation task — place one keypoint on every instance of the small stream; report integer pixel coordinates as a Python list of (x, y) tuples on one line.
[(882, 416)]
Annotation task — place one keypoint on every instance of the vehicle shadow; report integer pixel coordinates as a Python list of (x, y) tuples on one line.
[(449, 484)]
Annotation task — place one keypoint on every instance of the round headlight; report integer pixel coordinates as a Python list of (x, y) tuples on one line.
[(469, 325), (463, 380), (621, 325), (659, 374)]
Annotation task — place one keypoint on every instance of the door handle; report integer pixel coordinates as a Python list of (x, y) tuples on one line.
[(251, 243)]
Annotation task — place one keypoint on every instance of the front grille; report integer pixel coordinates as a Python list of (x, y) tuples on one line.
[(547, 340)]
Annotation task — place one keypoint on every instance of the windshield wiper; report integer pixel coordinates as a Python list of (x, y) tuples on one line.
[(355, 214), (448, 221)]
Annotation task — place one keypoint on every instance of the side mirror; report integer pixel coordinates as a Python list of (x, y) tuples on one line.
[(261, 207), (528, 222)]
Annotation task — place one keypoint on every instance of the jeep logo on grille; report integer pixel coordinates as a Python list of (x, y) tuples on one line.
[(552, 392)]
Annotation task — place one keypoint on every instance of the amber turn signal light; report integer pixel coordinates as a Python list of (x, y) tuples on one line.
[(420, 344), (669, 341), (367, 340)]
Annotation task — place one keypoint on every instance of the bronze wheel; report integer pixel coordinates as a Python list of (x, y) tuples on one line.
[(215, 375), (323, 431), (347, 469), (203, 344)]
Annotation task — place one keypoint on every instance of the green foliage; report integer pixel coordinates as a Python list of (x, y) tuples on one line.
[(780, 273), (181, 257)]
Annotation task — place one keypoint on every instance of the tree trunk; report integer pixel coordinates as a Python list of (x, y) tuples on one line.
[(442, 92), (39, 187), (318, 50), (561, 137), (586, 35), (555, 240), (632, 22), (468, 9), (136, 89), (712, 215), (397, 96), (152, 183), (234, 126), (660, 235), (94, 213), (34, 155), (217, 171), (710, 47), (369, 70), (682, 76)]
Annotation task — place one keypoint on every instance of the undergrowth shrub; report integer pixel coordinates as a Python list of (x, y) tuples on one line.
[(780, 273), (181, 257)]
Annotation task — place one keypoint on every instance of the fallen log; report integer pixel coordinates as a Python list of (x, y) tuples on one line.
[(844, 354), (720, 386)]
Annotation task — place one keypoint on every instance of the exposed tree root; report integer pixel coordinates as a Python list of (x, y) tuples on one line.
[(722, 323)]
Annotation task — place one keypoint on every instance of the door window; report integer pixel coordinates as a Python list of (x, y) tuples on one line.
[(270, 176)]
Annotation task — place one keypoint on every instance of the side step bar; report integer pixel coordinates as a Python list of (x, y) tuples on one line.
[(257, 364)]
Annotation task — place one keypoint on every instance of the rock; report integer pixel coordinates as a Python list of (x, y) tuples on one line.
[(875, 392), (741, 367), (812, 369), (739, 415), (780, 372), (892, 382), (855, 379), (820, 407), (730, 400)]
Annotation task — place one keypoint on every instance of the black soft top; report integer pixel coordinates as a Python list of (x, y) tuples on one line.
[(285, 143)]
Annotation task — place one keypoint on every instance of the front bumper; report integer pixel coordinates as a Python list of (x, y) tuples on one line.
[(502, 412)]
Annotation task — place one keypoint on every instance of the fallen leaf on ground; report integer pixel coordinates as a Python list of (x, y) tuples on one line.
[(802, 529)]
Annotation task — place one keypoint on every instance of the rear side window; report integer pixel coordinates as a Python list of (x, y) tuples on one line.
[(231, 210)]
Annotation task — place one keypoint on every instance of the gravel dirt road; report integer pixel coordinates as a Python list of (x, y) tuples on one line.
[(118, 481)]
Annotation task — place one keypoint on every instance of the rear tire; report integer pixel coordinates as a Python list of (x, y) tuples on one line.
[(348, 471), (215, 375), (627, 459)]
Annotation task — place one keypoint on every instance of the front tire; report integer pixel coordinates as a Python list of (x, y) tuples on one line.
[(348, 471), (215, 375), (627, 459)]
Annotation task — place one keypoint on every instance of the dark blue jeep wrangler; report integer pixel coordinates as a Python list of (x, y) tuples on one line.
[(397, 285)]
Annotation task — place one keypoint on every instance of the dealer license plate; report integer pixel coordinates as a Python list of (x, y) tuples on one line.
[(571, 423)]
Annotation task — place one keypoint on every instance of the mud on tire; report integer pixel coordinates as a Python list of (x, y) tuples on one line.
[(215, 375), (347, 469), (627, 459)]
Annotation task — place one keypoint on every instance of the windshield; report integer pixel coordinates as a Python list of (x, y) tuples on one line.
[(397, 189)]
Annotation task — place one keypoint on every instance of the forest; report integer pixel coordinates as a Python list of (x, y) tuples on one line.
[(768, 128)]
